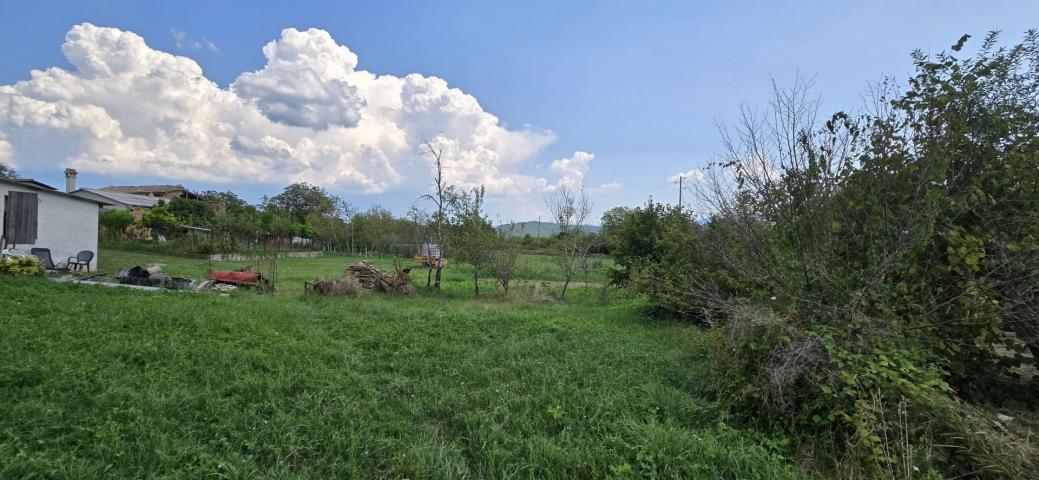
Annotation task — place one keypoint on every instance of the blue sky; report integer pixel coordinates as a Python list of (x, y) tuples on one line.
[(640, 85)]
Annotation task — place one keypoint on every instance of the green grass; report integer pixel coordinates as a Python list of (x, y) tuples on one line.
[(103, 382)]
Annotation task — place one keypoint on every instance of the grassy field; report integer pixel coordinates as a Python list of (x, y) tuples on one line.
[(292, 272), (103, 382)]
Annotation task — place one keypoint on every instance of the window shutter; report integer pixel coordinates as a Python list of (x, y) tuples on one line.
[(22, 211)]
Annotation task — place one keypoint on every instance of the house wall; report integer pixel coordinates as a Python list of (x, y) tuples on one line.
[(65, 225)]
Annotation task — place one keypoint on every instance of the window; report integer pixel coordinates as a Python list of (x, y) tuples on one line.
[(20, 217)]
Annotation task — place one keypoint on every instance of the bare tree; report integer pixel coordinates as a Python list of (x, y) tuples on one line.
[(441, 199), (571, 208)]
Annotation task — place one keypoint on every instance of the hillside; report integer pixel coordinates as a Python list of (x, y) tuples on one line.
[(547, 229)]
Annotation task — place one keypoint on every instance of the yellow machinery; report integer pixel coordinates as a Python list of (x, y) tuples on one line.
[(428, 255)]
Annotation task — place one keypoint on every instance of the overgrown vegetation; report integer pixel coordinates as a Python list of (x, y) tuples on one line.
[(873, 275)]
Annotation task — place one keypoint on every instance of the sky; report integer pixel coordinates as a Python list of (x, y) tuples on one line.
[(522, 97)]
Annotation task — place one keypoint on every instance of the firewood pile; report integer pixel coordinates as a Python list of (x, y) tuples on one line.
[(367, 276)]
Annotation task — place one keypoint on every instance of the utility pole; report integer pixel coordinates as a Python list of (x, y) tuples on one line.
[(539, 230), (680, 179)]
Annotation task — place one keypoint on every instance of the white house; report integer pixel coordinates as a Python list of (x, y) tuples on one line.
[(38, 216)]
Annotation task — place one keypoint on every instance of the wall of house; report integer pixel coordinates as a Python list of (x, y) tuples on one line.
[(65, 225)]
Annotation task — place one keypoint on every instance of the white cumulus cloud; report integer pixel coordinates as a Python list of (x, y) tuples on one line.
[(572, 170), (309, 114), (695, 175), (574, 167)]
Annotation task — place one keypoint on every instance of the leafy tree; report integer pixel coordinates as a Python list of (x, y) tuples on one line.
[(190, 211), (161, 221), (228, 203), (276, 222), (503, 262), (300, 199), (474, 233), (115, 222)]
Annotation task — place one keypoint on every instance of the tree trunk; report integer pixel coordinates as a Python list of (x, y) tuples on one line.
[(429, 273), (476, 279), (437, 280)]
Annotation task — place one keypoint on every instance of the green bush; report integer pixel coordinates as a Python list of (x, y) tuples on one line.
[(873, 277), (28, 266), (115, 222), (205, 248)]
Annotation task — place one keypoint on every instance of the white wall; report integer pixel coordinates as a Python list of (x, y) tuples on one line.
[(65, 225)]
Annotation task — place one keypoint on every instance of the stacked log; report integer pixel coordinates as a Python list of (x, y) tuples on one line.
[(366, 274), (371, 277)]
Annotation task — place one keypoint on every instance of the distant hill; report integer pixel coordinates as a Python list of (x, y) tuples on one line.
[(547, 229)]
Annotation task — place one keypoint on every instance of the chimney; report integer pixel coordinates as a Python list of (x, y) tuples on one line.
[(70, 180)]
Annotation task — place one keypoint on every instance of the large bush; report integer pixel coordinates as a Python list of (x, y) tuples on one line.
[(874, 275)]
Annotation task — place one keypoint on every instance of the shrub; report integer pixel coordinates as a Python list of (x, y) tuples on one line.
[(27, 266), (874, 277), (115, 222)]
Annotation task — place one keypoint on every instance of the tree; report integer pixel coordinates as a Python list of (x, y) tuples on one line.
[(502, 262), (300, 199), (474, 233), (227, 203), (161, 221), (115, 222), (6, 171), (191, 212), (440, 197), (571, 208)]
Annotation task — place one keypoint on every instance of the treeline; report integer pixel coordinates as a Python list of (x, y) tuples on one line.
[(302, 214), (307, 216), (872, 279)]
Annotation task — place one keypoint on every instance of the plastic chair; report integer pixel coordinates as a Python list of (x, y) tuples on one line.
[(82, 259), (44, 254)]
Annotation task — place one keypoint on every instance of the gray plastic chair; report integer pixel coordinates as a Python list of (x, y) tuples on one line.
[(44, 254), (82, 259)]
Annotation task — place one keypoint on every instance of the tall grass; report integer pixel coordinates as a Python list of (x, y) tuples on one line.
[(98, 382)]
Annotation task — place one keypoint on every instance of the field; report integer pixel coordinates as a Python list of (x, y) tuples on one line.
[(533, 270), (106, 382)]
